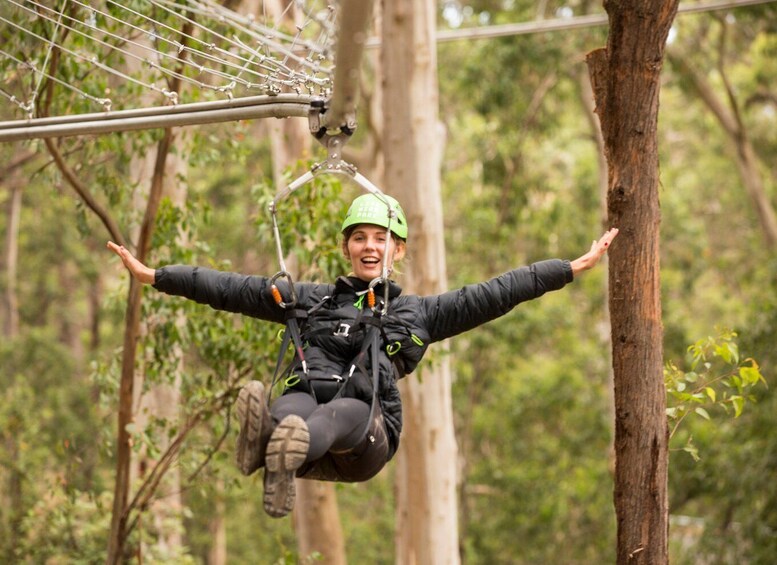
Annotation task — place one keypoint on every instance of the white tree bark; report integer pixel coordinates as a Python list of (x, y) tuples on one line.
[(11, 256), (427, 518)]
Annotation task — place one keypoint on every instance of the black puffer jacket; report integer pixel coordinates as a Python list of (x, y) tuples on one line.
[(410, 325)]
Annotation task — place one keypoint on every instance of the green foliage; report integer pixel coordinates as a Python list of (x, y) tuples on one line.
[(66, 526), (717, 379), (46, 456), (309, 224)]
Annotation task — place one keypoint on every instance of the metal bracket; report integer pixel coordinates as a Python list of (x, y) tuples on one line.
[(334, 160), (318, 123)]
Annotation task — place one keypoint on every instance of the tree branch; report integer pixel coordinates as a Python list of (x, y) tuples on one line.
[(67, 172), (721, 66), (83, 192), (704, 90), (18, 161)]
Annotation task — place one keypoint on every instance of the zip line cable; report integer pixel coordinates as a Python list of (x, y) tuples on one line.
[(576, 22)]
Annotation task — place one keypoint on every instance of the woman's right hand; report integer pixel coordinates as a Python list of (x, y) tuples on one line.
[(143, 274)]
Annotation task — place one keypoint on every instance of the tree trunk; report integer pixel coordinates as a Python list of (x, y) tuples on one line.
[(317, 522), (162, 400), (11, 256), (427, 528), (127, 391), (217, 552), (126, 416), (589, 108), (626, 83), (316, 515), (744, 155), (9, 305), (12, 498)]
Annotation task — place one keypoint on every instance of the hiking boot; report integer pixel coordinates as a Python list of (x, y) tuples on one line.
[(286, 452), (255, 427)]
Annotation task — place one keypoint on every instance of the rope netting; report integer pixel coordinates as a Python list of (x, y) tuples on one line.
[(105, 56)]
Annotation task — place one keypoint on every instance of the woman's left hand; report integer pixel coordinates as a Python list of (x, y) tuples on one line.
[(142, 273), (598, 248)]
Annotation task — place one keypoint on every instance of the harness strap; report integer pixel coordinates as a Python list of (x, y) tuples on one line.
[(375, 351), (292, 335), (371, 346)]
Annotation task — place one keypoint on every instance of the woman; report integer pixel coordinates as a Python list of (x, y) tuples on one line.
[(340, 414)]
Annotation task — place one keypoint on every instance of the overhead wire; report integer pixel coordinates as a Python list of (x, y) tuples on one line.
[(275, 71), (570, 23), (125, 52)]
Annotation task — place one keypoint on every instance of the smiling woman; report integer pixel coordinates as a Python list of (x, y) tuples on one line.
[(339, 416), (366, 245)]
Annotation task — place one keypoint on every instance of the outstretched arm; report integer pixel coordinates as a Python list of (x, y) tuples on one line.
[(453, 312), (598, 248), (137, 269)]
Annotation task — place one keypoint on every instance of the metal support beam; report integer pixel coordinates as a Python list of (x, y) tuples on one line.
[(354, 17), (254, 107)]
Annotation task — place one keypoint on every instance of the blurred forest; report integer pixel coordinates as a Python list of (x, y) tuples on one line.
[(522, 182)]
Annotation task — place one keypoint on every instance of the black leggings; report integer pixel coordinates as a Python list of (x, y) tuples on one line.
[(342, 448)]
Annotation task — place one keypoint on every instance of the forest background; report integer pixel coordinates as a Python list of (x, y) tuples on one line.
[(532, 392)]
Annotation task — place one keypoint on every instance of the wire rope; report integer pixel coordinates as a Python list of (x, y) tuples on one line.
[(180, 47), (277, 73)]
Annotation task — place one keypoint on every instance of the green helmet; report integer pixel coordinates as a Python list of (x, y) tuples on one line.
[(371, 209)]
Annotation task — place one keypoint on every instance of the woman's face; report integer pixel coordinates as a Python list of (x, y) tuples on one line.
[(365, 247)]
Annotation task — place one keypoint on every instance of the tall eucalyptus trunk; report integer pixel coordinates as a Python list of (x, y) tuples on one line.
[(427, 518)]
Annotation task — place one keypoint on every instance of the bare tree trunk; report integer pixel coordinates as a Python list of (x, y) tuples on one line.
[(10, 176), (120, 519), (626, 83), (316, 515), (11, 258), (217, 552), (730, 119), (12, 498), (317, 522), (162, 400), (427, 528)]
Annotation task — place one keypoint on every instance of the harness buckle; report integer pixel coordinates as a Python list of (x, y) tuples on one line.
[(343, 330)]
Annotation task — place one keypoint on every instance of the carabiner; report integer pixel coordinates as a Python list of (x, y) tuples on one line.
[(371, 302), (276, 293)]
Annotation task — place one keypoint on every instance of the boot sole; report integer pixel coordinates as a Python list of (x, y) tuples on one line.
[(251, 407), (286, 452)]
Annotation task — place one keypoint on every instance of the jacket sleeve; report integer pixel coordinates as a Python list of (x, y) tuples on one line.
[(242, 294), (457, 311)]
